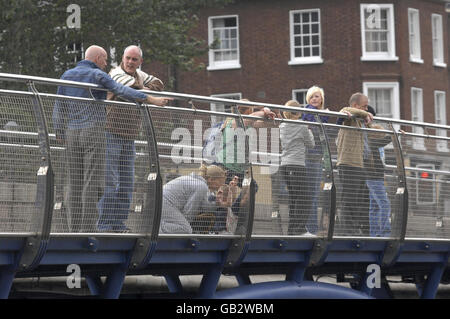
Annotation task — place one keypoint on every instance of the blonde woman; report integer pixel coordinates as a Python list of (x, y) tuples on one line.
[(186, 196), (295, 138), (315, 98)]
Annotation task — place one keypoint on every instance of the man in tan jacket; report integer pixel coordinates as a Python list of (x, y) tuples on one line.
[(123, 125), (352, 147)]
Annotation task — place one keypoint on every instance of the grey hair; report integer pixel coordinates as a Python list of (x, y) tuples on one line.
[(356, 98), (134, 46)]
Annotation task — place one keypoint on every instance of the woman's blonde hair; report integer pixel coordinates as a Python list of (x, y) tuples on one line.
[(315, 89), (207, 171), (290, 115)]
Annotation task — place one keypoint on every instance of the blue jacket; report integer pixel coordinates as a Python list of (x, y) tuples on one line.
[(76, 115), (317, 149)]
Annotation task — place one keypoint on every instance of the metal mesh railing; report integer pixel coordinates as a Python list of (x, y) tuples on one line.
[(427, 174), (19, 164), (205, 168), (366, 188), (220, 174), (101, 170)]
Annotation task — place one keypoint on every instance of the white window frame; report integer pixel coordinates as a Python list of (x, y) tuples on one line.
[(294, 96), (222, 65), (441, 145), (219, 107), (437, 39), (374, 9), (415, 54), (304, 60), (430, 167), (417, 116), (395, 94)]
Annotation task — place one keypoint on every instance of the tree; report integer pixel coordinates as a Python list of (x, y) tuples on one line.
[(36, 40)]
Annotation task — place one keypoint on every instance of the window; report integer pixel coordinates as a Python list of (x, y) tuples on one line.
[(425, 185), (377, 32), (441, 119), (414, 36), (300, 96), (384, 98), (220, 107), (223, 36), (417, 116), (76, 51), (437, 38), (305, 37)]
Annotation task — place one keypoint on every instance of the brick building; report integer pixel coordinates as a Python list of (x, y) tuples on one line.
[(272, 51)]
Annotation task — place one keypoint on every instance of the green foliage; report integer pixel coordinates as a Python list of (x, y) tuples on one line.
[(34, 37)]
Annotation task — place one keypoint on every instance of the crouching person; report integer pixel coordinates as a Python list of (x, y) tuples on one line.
[(185, 197)]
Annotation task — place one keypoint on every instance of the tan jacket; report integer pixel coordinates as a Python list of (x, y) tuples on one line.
[(126, 121), (350, 143)]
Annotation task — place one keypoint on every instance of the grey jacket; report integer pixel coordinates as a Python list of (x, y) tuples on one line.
[(183, 198), (294, 140)]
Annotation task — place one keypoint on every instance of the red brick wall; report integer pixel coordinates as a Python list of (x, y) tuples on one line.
[(265, 75)]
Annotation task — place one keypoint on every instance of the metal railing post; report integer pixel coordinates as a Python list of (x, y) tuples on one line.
[(35, 246), (393, 247), (145, 245)]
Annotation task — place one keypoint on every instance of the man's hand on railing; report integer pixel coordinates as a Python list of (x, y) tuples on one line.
[(159, 101)]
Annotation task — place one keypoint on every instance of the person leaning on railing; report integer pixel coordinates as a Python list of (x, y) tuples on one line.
[(315, 97), (122, 128), (352, 149), (80, 125), (295, 138)]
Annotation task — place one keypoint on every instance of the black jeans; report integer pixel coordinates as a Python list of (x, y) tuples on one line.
[(299, 204), (354, 199)]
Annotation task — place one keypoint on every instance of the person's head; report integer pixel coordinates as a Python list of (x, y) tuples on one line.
[(292, 115), (97, 55), (214, 175), (132, 59), (359, 101), (315, 97)]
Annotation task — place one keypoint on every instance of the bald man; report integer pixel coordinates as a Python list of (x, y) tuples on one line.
[(123, 125), (80, 125)]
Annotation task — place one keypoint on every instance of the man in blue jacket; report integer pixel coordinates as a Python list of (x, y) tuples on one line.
[(80, 125)]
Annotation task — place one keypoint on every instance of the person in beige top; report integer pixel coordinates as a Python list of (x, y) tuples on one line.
[(352, 147), (123, 125)]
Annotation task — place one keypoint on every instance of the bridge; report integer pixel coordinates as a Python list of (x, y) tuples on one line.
[(47, 223)]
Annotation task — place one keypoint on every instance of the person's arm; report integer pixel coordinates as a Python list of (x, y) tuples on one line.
[(368, 117), (128, 93), (264, 113)]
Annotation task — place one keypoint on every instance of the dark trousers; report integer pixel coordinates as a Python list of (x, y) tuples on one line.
[(354, 199), (299, 205), (86, 153)]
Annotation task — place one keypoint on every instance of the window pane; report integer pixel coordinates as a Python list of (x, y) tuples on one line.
[(305, 17), (307, 52), (296, 18), (315, 51), (230, 22), (306, 28)]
